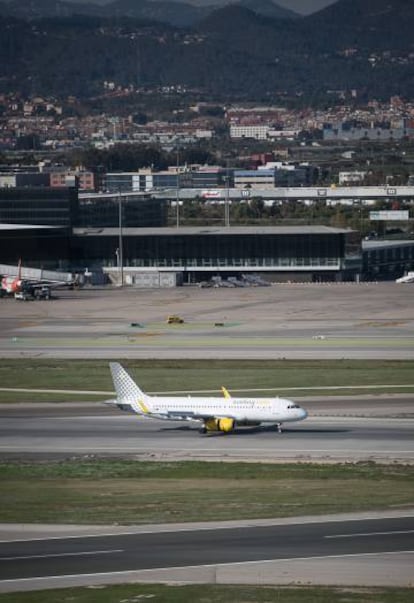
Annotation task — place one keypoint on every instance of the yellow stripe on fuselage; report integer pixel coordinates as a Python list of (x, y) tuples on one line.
[(143, 407)]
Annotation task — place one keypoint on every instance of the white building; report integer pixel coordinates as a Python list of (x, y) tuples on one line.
[(259, 131), (351, 177)]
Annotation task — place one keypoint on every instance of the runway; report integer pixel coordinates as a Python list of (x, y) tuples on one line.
[(349, 430), (145, 554)]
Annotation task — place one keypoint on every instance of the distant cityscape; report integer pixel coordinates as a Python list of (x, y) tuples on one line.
[(38, 123)]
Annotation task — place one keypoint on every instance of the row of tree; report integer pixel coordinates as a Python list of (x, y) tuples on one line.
[(131, 157), (198, 212)]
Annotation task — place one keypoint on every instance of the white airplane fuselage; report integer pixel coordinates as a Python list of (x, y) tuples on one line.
[(243, 410), (213, 413)]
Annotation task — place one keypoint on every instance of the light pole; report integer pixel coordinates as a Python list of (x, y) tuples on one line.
[(120, 250), (227, 201), (177, 192)]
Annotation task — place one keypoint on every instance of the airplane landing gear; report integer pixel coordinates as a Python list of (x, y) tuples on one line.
[(203, 430), (279, 427)]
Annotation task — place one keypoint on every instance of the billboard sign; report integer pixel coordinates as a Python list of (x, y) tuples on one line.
[(401, 215)]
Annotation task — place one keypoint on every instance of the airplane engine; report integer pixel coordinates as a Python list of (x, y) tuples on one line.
[(225, 425)]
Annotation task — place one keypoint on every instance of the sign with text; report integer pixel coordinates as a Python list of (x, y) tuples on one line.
[(401, 215)]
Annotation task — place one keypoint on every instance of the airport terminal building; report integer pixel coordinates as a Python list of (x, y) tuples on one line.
[(189, 255), (57, 229), (194, 254)]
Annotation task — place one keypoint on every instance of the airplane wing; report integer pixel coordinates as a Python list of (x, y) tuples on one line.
[(32, 284), (207, 417), (190, 416)]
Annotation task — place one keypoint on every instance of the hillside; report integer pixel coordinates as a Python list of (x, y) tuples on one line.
[(365, 45), (174, 12)]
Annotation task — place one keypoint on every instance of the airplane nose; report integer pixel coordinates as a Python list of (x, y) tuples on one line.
[(303, 413)]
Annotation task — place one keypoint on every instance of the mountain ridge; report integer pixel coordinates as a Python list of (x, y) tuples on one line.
[(175, 12), (319, 57)]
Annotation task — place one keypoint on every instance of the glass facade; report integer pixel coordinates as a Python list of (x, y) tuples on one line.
[(210, 179), (232, 251), (47, 206), (387, 261), (47, 248), (138, 212)]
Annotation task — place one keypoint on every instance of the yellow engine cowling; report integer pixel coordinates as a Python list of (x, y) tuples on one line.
[(224, 425)]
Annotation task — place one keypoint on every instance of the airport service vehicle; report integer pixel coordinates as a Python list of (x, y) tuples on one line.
[(173, 319), (28, 292), (219, 414)]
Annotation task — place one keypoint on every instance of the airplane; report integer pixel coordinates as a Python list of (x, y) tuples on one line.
[(408, 278), (214, 414), (27, 288), (13, 284)]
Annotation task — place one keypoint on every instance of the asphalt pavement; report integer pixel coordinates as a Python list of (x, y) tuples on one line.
[(194, 552)]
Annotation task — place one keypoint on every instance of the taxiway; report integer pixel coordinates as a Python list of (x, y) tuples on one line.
[(333, 432)]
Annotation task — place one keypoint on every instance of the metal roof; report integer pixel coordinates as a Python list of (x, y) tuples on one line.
[(27, 226), (214, 231), (375, 244)]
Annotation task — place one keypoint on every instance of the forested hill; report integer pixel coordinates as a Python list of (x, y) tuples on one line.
[(366, 45), (173, 12)]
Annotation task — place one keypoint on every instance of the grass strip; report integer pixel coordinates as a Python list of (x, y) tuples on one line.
[(268, 376), (131, 492), (207, 593)]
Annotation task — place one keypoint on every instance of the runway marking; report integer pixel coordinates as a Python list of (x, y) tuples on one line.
[(203, 391), (210, 565), (237, 525), (290, 559), (53, 556), (286, 452), (356, 535), (209, 454)]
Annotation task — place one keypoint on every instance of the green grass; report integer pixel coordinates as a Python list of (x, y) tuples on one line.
[(130, 492), (207, 593), (276, 376)]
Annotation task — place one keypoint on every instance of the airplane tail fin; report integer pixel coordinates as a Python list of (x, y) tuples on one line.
[(127, 391)]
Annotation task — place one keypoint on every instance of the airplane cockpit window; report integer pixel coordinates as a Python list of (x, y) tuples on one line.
[(293, 406)]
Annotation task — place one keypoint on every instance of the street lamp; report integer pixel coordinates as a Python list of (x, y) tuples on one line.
[(177, 192), (227, 201), (120, 250)]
